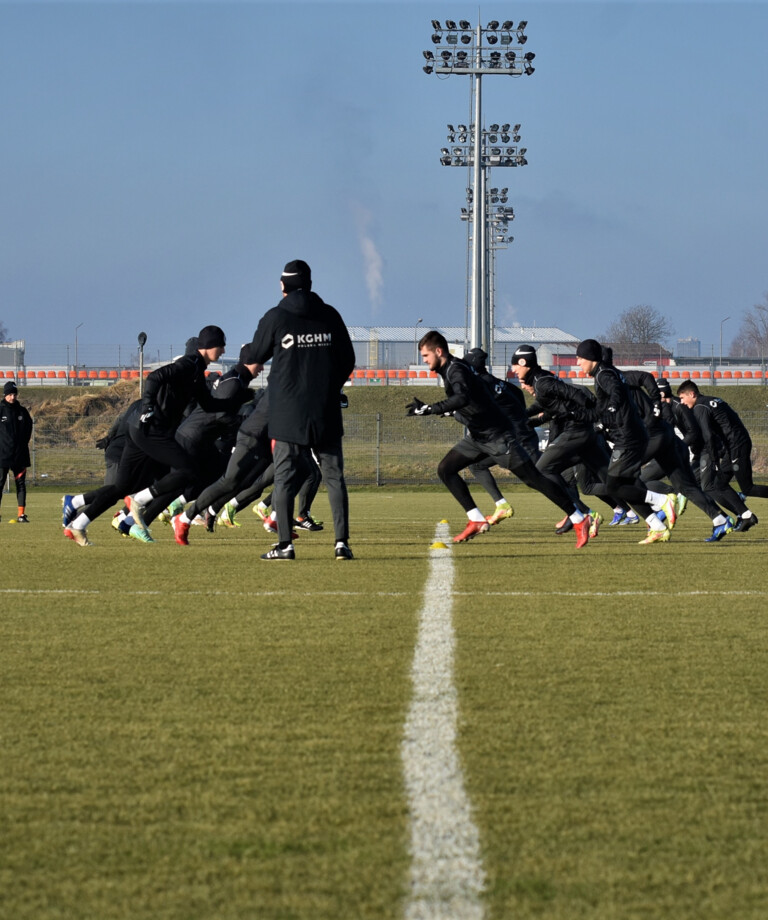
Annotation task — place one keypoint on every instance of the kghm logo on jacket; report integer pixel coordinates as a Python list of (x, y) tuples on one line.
[(306, 340)]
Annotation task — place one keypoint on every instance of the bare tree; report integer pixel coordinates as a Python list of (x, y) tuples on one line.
[(641, 324), (3, 333), (752, 337)]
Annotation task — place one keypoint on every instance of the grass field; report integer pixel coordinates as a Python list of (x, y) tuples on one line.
[(193, 733)]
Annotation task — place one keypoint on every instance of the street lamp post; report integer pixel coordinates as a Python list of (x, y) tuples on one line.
[(142, 339), (722, 323), (478, 60), (76, 328), (419, 321)]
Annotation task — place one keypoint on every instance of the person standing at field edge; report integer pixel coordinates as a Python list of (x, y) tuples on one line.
[(15, 432), (312, 358)]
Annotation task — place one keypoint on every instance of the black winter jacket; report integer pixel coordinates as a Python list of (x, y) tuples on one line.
[(206, 426), (312, 358), (470, 402), (15, 432), (169, 390), (616, 410), (511, 401), (567, 406)]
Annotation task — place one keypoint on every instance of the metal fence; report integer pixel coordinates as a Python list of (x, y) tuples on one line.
[(379, 450)]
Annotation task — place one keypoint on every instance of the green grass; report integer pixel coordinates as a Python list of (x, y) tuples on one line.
[(192, 733)]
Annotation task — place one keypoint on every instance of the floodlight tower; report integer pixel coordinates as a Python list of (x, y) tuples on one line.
[(499, 216), (477, 59)]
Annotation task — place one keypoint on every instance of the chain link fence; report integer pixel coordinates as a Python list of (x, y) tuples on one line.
[(378, 450)]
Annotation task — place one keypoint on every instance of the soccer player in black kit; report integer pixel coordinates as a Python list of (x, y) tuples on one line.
[(726, 454), (616, 413), (472, 404)]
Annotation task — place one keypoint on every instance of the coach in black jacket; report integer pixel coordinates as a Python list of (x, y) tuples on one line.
[(15, 432), (312, 358)]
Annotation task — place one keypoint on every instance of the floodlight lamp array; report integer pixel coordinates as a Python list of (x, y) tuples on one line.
[(452, 34)]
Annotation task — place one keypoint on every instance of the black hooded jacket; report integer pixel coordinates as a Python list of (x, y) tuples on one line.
[(15, 432), (312, 358)]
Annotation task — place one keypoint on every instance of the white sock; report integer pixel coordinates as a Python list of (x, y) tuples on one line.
[(78, 501), (234, 503), (476, 515), (717, 521), (577, 517), (655, 500), (144, 497), (80, 522), (654, 523), (501, 501)]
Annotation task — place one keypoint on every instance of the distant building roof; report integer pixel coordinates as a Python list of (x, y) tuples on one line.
[(627, 352), (518, 334)]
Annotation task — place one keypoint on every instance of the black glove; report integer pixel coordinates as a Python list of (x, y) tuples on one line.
[(101, 444), (146, 417), (417, 407)]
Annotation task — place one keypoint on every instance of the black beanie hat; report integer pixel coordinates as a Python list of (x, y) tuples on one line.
[(10, 387), (525, 355), (296, 274), (476, 358), (664, 386), (211, 337), (590, 349)]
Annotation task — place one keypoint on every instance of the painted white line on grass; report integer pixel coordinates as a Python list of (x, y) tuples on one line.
[(217, 593), (447, 876)]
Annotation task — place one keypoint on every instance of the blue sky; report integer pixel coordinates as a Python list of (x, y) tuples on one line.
[(161, 162)]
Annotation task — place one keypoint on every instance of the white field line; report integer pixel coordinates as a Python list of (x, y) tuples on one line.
[(447, 876), (167, 592)]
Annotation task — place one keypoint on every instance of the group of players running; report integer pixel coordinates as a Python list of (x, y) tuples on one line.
[(630, 443), (642, 451)]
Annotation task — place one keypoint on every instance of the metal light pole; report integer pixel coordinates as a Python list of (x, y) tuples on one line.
[(481, 59), (419, 321), (76, 328), (722, 323), (142, 342), (498, 217)]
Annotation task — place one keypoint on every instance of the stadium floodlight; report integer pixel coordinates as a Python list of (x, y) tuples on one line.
[(479, 150)]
